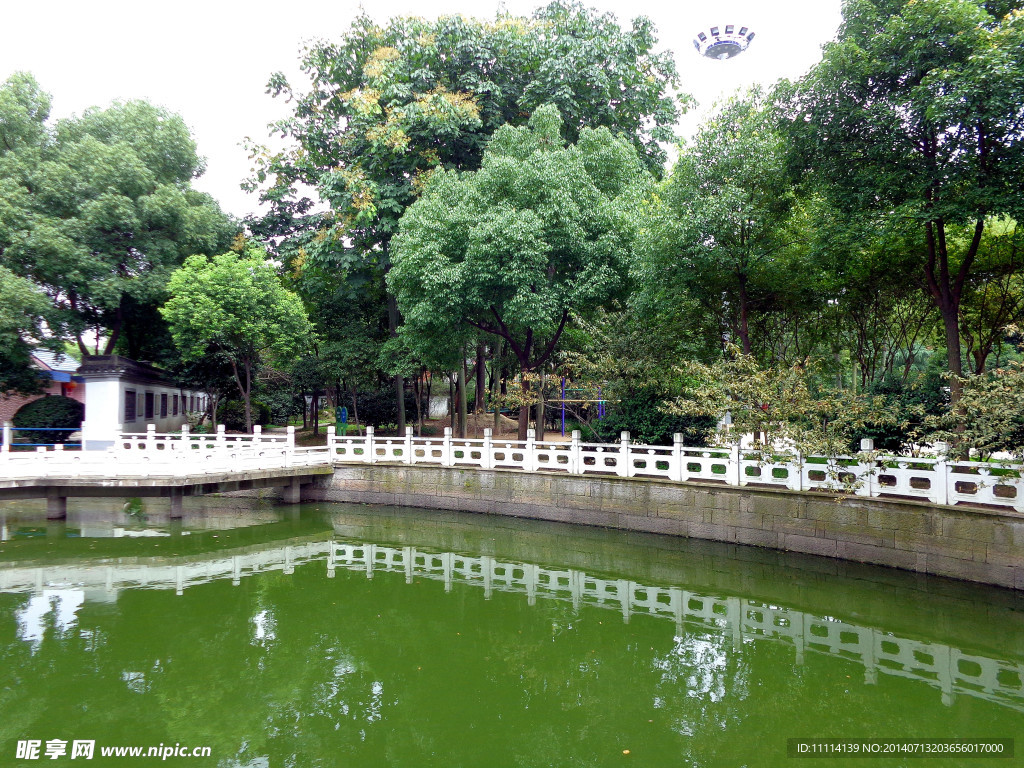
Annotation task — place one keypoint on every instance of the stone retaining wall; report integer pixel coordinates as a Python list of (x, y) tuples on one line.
[(963, 543)]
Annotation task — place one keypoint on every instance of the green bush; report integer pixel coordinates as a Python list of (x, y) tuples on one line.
[(640, 414), (379, 408), (51, 412), (232, 415)]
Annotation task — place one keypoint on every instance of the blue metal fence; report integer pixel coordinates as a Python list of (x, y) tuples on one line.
[(18, 444)]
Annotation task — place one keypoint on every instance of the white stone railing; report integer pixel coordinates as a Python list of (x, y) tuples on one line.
[(155, 455), (934, 480)]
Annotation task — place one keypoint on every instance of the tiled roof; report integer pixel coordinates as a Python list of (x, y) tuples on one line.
[(55, 361)]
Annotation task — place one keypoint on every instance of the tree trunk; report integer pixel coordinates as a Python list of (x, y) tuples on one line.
[(481, 378), (314, 411), (247, 394), (452, 413), (115, 331), (954, 361), (744, 317), (524, 409), (539, 411), (355, 409), (463, 397), (496, 387), (398, 380), (417, 389)]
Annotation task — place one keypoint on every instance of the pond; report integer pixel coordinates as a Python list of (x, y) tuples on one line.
[(350, 635)]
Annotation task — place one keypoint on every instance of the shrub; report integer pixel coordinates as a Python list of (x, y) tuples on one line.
[(379, 408), (640, 413), (52, 412), (232, 415)]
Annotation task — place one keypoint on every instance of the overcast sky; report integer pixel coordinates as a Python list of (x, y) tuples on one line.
[(210, 61)]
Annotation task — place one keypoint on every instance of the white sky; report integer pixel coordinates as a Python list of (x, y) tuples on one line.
[(210, 61)]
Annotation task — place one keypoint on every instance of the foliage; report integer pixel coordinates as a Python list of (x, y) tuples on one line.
[(237, 307), (377, 408), (644, 416), (914, 114), (391, 104), (723, 222), (913, 401), (22, 312), (99, 209), (988, 418), (232, 415), (51, 412), (784, 409), (541, 231)]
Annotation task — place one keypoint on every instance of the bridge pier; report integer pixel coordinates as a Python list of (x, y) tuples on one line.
[(292, 492), (56, 506), (177, 497)]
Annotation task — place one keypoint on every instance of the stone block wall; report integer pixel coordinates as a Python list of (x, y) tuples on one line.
[(960, 542)]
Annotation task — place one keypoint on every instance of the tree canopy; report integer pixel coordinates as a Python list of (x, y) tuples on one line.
[(543, 230), (22, 326), (236, 307), (916, 112), (98, 209)]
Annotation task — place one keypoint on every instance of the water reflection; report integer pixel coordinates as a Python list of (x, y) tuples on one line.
[(949, 669), (707, 624)]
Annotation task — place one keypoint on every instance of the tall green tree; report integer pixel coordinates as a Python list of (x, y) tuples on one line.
[(542, 231), (98, 209), (237, 307), (391, 104), (916, 112), (23, 308), (724, 221)]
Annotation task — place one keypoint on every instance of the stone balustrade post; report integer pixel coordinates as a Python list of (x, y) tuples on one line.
[(369, 451), (795, 480), (678, 468), (332, 435), (150, 437), (624, 460), (866, 470), (221, 436), (447, 454), (530, 454), (257, 433), (942, 478), (185, 437), (734, 469), (289, 439), (407, 448), (488, 453), (576, 453), (8, 436)]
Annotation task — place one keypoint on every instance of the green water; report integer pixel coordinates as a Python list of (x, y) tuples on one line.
[(264, 635)]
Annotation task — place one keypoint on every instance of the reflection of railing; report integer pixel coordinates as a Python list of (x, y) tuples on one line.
[(180, 576), (949, 669), (934, 480)]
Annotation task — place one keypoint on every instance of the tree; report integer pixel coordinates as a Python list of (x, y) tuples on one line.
[(542, 231), (98, 209), (726, 215), (238, 307), (22, 327), (916, 112), (390, 105)]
